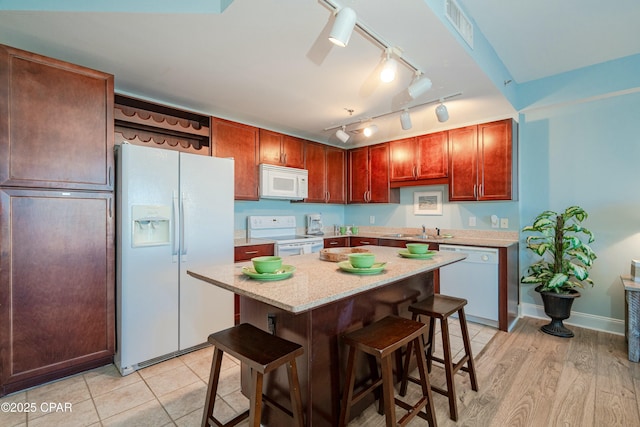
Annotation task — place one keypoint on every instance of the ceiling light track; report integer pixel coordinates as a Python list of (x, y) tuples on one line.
[(386, 46), (402, 110)]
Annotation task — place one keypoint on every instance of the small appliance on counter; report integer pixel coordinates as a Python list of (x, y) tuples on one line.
[(314, 224)]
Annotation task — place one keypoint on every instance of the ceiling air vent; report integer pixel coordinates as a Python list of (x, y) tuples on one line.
[(459, 21)]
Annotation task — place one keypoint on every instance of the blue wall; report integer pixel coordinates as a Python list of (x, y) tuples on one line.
[(454, 215), (587, 153)]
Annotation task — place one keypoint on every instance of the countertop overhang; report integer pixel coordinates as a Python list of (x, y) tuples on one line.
[(316, 282)]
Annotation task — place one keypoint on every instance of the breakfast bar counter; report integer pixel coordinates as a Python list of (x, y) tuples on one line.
[(317, 304)]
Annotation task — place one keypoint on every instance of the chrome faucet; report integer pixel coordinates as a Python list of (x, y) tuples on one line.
[(424, 231)]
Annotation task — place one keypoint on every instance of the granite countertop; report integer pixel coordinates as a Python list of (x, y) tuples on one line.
[(477, 239), (316, 282), (493, 239)]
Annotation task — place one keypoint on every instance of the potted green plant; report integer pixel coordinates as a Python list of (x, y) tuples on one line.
[(562, 244)]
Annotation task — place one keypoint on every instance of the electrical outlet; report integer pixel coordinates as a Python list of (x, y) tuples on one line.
[(504, 222), (372, 219), (472, 221)]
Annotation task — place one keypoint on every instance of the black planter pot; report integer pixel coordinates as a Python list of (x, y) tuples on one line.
[(558, 308)]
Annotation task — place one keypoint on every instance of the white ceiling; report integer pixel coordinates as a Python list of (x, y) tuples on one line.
[(269, 63)]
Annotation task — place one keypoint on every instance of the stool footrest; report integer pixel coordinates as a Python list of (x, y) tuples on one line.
[(232, 422), (358, 396), (459, 365), (412, 411)]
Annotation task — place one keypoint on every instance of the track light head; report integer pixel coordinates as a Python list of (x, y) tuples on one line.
[(370, 130), (342, 134), (389, 69), (343, 27), (405, 120), (442, 113), (419, 86)]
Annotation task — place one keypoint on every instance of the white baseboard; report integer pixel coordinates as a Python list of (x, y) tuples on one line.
[(582, 320)]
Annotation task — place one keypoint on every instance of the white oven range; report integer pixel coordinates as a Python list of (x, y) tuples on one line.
[(282, 230)]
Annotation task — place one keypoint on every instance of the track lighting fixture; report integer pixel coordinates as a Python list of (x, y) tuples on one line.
[(389, 69), (420, 85), (343, 27), (370, 130), (405, 120), (441, 112), (342, 134)]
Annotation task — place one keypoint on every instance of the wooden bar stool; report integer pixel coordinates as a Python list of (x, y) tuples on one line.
[(263, 353), (441, 307), (381, 339)]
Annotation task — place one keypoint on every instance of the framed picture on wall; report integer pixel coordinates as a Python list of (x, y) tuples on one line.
[(427, 203)]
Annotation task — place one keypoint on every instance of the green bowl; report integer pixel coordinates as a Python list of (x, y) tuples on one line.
[(267, 264), (418, 248), (362, 260)]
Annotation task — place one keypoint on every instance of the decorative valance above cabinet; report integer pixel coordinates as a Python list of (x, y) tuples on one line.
[(145, 123)]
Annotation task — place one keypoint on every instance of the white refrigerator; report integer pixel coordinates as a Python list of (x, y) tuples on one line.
[(175, 212)]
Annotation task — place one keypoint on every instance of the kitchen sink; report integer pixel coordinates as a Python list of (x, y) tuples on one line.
[(412, 236)]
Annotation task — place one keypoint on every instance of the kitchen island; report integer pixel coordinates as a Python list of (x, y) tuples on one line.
[(314, 307)]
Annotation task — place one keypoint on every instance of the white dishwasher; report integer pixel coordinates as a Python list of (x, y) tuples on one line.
[(474, 279)]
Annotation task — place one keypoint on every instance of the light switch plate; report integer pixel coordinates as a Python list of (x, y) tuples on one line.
[(472, 221), (504, 222), (372, 219)]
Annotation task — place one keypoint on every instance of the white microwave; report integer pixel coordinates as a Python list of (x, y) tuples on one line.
[(279, 182)]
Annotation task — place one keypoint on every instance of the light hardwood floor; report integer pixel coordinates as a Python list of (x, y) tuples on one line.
[(529, 378), (526, 378)]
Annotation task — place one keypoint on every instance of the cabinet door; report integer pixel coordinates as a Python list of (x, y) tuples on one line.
[(315, 162), (270, 147), (379, 171), (56, 284), (56, 123), (336, 242), (358, 175), (336, 175), (362, 241), (245, 253), (463, 169), (403, 159), (432, 154), (495, 160), (239, 141), (293, 152)]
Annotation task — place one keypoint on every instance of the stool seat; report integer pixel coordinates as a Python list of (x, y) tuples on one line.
[(440, 307), (262, 353), (381, 339)]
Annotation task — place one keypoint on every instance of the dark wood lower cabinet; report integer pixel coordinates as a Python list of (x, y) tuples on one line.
[(245, 253), (57, 313)]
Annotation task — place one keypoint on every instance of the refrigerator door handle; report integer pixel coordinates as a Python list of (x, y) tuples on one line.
[(176, 231), (183, 238)]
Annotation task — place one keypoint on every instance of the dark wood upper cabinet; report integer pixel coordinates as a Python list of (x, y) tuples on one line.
[(280, 149), (432, 155), (482, 162), (463, 168), (239, 141), (368, 169), (56, 123), (336, 175), (327, 173), (420, 160)]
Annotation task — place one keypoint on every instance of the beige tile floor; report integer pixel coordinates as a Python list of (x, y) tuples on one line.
[(170, 393)]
